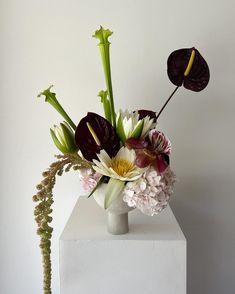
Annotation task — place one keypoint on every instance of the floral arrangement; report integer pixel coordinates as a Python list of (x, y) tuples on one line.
[(124, 149)]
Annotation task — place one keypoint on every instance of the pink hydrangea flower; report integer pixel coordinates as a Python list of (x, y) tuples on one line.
[(151, 192), (89, 178)]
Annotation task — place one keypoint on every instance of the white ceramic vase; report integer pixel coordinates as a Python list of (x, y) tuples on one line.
[(117, 213)]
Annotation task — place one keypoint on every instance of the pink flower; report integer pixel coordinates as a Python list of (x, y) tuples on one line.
[(151, 192), (159, 142), (90, 178), (155, 152)]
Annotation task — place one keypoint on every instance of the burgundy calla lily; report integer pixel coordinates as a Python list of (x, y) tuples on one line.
[(95, 133), (188, 68)]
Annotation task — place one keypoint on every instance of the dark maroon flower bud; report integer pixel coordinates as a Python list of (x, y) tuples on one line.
[(188, 68), (133, 143), (95, 133), (143, 113)]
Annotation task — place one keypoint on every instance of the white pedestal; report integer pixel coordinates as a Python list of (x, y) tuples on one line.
[(150, 259)]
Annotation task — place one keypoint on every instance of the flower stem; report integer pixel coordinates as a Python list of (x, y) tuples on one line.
[(104, 50), (159, 113), (106, 105), (51, 99), (104, 44)]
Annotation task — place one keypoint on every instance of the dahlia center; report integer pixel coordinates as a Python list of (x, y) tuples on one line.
[(121, 166)]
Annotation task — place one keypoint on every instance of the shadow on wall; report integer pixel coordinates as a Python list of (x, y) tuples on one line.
[(207, 220)]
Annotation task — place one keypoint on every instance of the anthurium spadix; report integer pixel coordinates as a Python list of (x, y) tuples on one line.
[(63, 137), (130, 125)]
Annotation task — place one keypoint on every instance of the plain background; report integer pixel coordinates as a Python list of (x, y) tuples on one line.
[(49, 42)]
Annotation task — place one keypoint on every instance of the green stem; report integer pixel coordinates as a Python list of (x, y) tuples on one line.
[(51, 99), (64, 114), (104, 50), (106, 105), (103, 36)]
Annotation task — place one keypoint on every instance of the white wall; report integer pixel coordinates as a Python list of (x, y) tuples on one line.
[(44, 42)]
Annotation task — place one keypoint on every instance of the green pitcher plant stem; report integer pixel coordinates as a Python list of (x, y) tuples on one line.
[(104, 44), (106, 104), (51, 98)]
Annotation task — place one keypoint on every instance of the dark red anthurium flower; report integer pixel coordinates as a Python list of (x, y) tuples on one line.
[(95, 133), (188, 68)]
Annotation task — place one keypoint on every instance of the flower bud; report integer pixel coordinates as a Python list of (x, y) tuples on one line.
[(63, 137)]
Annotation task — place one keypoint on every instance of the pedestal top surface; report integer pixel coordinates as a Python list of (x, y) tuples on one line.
[(88, 222)]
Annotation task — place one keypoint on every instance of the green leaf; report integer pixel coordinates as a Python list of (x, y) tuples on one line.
[(138, 129), (97, 185), (113, 190)]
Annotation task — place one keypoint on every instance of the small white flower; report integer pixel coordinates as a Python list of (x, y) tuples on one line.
[(121, 167)]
